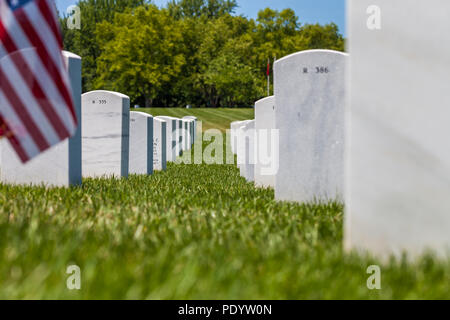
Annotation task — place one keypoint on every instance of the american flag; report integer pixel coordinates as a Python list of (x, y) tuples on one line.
[(36, 106)]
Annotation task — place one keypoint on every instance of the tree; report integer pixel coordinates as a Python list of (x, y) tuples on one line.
[(195, 52), (320, 37), (198, 8), (140, 53), (83, 42), (231, 82)]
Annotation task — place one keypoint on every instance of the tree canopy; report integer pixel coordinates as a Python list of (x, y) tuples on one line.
[(195, 52)]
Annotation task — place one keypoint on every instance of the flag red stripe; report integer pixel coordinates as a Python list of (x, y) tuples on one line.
[(49, 17), (14, 141), (22, 112), (46, 58), (33, 84)]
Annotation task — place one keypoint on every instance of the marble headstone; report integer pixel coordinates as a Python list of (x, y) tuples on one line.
[(237, 134), (106, 134), (141, 143), (310, 105), (180, 146), (234, 127), (194, 129), (159, 144), (185, 135), (191, 128), (266, 150), (398, 186), (240, 150), (177, 136), (246, 143), (60, 166), (171, 137)]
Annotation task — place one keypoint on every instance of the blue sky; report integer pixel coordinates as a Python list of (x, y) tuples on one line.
[(309, 11)]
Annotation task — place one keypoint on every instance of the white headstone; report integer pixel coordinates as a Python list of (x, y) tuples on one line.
[(141, 143), (191, 132), (238, 132), (106, 133), (310, 101), (246, 144), (159, 144), (60, 166), (234, 128), (178, 136), (186, 134), (180, 146), (171, 136), (240, 150), (397, 197), (194, 130), (267, 150)]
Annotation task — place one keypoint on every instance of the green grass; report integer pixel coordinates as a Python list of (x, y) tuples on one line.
[(192, 232), (211, 118)]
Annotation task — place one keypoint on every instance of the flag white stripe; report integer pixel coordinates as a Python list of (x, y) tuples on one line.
[(28, 100), (9, 114)]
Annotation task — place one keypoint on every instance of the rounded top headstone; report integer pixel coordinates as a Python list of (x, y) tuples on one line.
[(141, 114), (105, 92), (309, 52), (166, 117), (158, 119), (264, 99), (71, 55)]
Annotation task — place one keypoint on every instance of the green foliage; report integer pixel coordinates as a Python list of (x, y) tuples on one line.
[(84, 42), (141, 53), (193, 52), (200, 8)]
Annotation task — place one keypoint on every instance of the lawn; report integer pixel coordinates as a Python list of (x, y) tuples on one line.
[(211, 118), (192, 232)]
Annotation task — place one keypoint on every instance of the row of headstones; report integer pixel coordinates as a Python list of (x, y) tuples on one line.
[(111, 141), (369, 128), (303, 126)]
